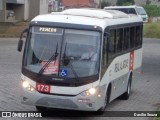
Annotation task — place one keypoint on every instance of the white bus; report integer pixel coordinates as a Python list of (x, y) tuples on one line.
[(133, 9), (80, 59)]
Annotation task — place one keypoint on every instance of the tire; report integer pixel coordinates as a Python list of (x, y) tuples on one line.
[(125, 96), (40, 108)]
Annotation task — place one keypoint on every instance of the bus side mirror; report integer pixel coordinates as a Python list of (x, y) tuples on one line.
[(20, 43)]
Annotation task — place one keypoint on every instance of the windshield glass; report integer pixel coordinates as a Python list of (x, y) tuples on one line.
[(141, 11), (81, 48), (44, 43), (48, 49)]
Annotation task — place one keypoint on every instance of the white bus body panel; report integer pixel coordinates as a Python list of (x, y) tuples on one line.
[(64, 90), (64, 100), (119, 80)]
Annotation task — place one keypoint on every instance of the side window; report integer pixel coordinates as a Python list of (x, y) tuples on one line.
[(104, 57), (141, 35), (104, 62), (132, 37), (132, 11), (111, 42), (138, 36), (126, 39), (119, 38), (123, 10)]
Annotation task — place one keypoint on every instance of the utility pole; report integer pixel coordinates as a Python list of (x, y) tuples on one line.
[(100, 4)]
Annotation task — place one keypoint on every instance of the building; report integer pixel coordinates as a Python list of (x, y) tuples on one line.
[(65, 4), (18, 10), (12, 10), (37, 7)]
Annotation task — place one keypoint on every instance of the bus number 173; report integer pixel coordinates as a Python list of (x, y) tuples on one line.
[(43, 88)]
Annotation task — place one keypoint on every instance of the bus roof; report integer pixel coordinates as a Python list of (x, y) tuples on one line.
[(101, 14), (98, 17)]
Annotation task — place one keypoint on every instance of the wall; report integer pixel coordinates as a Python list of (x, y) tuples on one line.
[(34, 8), (19, 11), (2, 11), (26, 9), (44, 6)]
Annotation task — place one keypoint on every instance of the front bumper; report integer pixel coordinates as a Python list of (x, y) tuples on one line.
[(78, 102)]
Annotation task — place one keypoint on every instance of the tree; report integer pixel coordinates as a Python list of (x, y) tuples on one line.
[(148, 2), (125, 2), (104, 3)]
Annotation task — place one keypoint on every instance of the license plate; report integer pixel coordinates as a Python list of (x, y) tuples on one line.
[(43, 88)]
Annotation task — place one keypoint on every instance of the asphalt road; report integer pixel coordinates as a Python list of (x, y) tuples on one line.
[(145, 94)]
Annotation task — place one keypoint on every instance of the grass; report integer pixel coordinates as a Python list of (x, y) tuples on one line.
[(12, 30), (152, 30), (158, 112)]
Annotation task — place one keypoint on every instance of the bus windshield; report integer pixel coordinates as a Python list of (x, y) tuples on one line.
[(141, 11), (48, 48)]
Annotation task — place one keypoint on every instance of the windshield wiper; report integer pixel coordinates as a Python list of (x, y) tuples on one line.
[(53, 57), (66, 61), (74, 72)]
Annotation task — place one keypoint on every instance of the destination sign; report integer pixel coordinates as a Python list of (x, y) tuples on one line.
[(48, 30)]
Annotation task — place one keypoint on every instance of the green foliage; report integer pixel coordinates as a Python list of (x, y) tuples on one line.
[(125, 2), (152, 10), (104, 3), (148, 2), (151, 30)]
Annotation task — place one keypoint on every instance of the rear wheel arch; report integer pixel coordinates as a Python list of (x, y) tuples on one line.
[(125, 95), (106, 99), (108, 92)]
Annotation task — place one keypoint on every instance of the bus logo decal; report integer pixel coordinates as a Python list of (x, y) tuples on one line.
[(121, 65)]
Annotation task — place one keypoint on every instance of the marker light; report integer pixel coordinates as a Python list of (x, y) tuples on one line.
[(95, 27)]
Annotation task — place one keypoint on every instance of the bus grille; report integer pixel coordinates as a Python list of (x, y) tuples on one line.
[(56, 102)]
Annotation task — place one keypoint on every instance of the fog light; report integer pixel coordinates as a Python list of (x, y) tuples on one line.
[(99, 95), (32, 89)]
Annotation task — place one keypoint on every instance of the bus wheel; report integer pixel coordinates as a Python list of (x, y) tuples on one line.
[(40, 108), (125, 96)]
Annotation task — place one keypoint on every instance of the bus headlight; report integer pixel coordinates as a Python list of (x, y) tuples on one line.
[(91, 91), (27, 86)]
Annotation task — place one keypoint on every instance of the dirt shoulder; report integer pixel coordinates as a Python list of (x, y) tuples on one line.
[(12, 30)]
